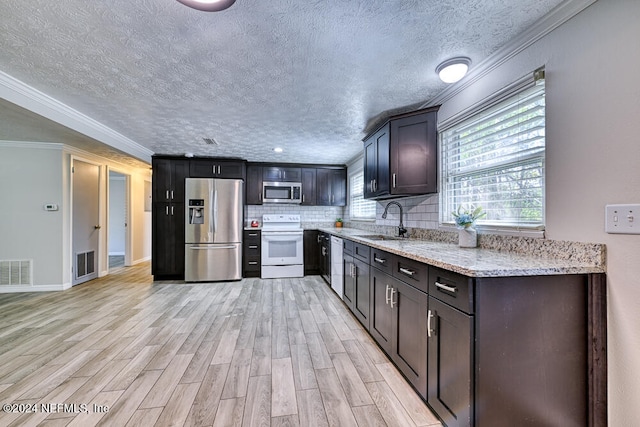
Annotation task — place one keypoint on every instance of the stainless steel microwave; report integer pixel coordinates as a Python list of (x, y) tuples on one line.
[(281, 192)]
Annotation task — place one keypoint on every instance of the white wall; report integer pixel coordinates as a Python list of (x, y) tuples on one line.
[(593, 159), (117, 213), (35, 174), (29, 179)]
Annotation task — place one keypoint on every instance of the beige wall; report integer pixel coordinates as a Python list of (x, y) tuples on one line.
[(593, 159)]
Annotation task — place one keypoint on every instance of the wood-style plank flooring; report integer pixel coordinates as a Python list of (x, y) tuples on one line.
[(125, 351)]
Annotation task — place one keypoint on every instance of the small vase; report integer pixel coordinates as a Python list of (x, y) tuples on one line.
[(467, 237)]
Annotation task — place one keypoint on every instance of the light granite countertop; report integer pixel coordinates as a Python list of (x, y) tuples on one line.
[(475, 262)]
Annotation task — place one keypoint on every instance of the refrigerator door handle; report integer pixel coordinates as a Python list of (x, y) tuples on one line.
[(215, 210), (209, 248)]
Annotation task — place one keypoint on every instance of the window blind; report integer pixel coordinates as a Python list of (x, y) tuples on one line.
[(495, 159), (359, 207)]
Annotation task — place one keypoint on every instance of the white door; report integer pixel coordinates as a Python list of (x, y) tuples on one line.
[(85, 217)]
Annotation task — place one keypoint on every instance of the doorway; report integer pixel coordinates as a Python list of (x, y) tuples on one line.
[(86, 220), (118, 220)]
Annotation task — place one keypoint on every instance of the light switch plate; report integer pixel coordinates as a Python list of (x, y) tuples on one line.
[(622, 219)]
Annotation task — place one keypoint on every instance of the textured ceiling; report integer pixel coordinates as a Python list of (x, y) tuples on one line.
[(304, 75)]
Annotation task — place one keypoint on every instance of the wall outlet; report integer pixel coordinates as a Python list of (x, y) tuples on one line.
[(622, 219)]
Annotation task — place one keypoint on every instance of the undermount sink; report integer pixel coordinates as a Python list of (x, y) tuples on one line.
[(379, 237)]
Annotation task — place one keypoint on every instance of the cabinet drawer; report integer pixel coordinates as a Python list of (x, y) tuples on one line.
[(252, 236), (382, 260), (452, 288), (251, 249), (411, 272), (347, 246), (361, 252), (252, 263)]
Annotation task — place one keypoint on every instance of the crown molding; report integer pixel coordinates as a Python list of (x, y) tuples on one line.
[(558, 16), (23, 95), (35, 145)]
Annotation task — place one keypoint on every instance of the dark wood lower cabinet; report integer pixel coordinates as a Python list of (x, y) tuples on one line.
[(356, 288), (398, 322), (167, 260), (450, 363), (311, 252)]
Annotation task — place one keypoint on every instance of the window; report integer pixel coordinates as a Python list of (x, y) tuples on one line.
[(494, 158), (359, 207)]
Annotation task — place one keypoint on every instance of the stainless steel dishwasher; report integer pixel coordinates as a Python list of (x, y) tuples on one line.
[(337, 279)]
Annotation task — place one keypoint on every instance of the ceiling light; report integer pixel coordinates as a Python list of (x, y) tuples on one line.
[(278, 150), (208, 5), (452, 70)]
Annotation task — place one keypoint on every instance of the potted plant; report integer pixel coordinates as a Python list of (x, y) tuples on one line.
[(338, 222), (465, 219)]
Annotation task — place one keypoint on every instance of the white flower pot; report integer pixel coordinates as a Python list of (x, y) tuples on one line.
[(467, 237)]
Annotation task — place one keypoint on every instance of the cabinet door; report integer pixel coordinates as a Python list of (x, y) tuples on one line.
[(254, 185), (450, 364), (168, 180), (338, 187), (376, 163), (349, 291), (281, 174), (323, 187), (216, 168), (409, 346), (308, 186), (162, 172), (361, 288), (381, 316), (413, 154), (168, 239), (311, 252)]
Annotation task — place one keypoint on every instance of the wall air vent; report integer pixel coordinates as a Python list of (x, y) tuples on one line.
[(85, 264), (210, 141), (16, 272)]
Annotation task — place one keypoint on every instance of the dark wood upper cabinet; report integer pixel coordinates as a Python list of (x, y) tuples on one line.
[(217, 168), (331, 187), (168, 180), (376, 161), (401, 157), (308, 186), (253, 192), (281, 174)]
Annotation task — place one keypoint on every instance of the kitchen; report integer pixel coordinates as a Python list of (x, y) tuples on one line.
[(581, 178)]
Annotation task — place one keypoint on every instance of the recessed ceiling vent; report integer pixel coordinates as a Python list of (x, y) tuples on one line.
[(210, 141), (14, 272)]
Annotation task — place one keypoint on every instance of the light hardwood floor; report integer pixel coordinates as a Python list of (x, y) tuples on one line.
[(279, 352)]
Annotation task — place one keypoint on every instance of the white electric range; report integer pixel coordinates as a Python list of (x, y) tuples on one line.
[(282, 246)]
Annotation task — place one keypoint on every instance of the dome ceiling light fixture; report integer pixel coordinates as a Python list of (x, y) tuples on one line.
[(452, 70), (208, 5)]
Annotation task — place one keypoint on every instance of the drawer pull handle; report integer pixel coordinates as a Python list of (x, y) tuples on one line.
[(253, 262), (253, 246), (253, 234), (446, 288), (407, 271), (379, 260), (387, 295), (429, 330), (393, 291)]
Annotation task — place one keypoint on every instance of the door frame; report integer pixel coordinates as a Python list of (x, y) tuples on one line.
[(73, 158), (128, 231)]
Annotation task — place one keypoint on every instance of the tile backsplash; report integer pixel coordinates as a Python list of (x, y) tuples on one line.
[(309, 214)]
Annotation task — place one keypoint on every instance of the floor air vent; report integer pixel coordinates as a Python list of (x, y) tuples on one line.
[(16, 272)]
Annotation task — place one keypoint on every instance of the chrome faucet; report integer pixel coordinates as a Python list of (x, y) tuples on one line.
[(401, 230)]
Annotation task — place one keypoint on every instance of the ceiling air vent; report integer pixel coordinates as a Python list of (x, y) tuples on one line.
[(210, 141)]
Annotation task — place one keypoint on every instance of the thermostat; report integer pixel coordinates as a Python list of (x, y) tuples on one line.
[(51, 207)]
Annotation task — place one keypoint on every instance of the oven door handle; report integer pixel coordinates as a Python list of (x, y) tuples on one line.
[(281, 233), (281, 238)]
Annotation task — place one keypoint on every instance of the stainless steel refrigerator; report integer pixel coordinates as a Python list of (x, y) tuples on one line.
[(213, 229)]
